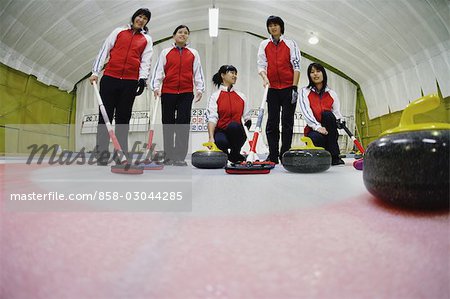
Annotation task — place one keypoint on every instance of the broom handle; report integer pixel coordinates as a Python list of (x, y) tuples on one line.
[(355, 141), (261, 110), (109, 127)]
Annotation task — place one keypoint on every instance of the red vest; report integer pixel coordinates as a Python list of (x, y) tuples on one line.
[(125, 56), (318, 105), (179, 69), (230, 107), (279, 67)]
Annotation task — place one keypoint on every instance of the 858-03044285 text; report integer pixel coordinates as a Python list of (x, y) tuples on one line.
[(99, 195)]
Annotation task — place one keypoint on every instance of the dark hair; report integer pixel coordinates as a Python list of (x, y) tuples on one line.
[(275, 20), (319, 67), (179, 27), (142, 11), (217, 78)]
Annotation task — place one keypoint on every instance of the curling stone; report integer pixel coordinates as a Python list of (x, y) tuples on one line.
[(212, 158), (409, 165), (306, 159)]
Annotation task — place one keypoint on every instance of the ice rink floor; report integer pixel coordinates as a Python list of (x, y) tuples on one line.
[(280, 235)]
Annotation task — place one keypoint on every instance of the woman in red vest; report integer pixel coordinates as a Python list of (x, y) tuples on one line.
[(321, 110), (129, 50), (226, 107), (177, 71), (279, 67)]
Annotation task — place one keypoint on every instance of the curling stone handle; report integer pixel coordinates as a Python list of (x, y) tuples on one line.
[(422, 105), (309, 143), (211, 146)]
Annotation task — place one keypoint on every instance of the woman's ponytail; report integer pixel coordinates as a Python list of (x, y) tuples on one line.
[(217, 79)]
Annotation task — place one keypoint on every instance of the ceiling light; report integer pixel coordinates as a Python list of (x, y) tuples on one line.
[(313, 40), (213, 22)]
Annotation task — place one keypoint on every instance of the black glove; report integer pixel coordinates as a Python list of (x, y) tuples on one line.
[(141, 85), (340, 123), (294, 94), (248, 124)]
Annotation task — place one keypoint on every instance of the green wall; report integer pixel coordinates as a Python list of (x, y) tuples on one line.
[(24, 100), (369, 130)]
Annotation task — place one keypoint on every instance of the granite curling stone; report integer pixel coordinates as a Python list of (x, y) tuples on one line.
[(211, 158), (306, 159), (408, 166)]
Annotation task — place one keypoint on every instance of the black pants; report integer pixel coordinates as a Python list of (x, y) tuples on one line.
[(279, 99), (329, 141), (118, 98), (176, 119), (231, 140)]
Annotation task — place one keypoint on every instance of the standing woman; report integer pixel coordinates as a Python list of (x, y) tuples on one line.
[(129, 50), (178, 70), (321, 109), (279, 68), (226, 107)]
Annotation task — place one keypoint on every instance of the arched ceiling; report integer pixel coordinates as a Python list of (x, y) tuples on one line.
[(368, 40)]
